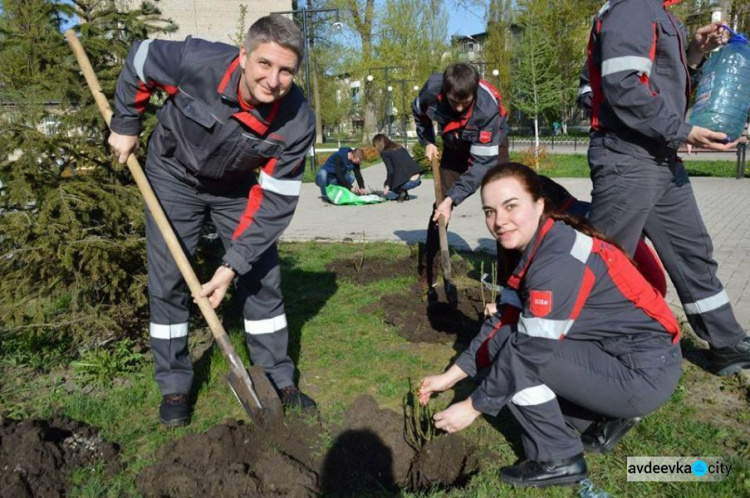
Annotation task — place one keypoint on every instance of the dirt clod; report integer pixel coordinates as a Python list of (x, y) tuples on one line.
[(37, 456)]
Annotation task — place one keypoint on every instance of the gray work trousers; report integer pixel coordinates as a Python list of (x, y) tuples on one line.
[(588, 384), (187, 207), (654, 196)]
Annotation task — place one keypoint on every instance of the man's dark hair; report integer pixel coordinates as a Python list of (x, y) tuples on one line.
[(460, 81), (278, 29)]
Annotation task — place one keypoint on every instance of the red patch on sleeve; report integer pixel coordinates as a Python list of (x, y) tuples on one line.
[(485, 137), (540, 302)]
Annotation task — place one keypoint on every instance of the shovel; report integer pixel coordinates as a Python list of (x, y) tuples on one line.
[(252, 388), (445, 256)]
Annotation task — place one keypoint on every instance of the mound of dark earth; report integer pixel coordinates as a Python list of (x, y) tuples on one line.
[(417, 320), (296, 457), (37, 456)]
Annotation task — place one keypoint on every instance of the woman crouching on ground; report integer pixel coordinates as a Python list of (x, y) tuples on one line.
[(579, 339), (402, 171)]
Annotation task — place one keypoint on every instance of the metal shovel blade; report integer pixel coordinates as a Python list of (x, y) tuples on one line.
[(258, 399)]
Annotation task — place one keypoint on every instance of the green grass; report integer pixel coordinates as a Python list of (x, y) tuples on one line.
[(343, 353), (576, 166)]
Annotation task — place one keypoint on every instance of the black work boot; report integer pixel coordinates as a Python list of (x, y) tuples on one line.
[(731, 359), (539, 474), (174, 410), (291, 397), (602, 436), (402, 196)]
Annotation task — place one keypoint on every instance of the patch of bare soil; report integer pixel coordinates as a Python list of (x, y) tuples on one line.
[(369, 456), (364, 270), (37, 456), (418, 320)]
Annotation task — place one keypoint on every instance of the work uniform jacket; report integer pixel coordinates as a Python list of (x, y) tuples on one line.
[(211, 140), (637, 81), (567, 286), (473, 136)]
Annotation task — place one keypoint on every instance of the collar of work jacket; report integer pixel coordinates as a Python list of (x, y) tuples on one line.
[(528, 254), (258, 118)]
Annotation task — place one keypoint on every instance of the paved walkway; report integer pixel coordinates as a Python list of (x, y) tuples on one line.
[(725, 205)]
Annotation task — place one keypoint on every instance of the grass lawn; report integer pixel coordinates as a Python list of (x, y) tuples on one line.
[(576, 166), (343, 352)]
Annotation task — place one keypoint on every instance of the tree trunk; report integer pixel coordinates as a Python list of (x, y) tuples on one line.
[(536, 143)]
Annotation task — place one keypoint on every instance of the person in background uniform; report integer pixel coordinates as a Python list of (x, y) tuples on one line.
[(227, 114), (580, 347), (472, 122), (402, 171), (341, 168), (638, 83)]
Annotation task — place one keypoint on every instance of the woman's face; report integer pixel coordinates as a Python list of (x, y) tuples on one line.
[(512, 216)]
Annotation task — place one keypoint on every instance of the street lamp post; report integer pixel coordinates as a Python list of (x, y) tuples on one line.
[(304, 12), (388, 90), (403, 104)]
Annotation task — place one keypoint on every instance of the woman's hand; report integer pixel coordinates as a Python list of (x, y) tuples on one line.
[(490, 309), (439, 383), (456, 417)]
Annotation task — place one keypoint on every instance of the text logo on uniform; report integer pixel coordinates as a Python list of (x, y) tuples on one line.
[(485, 137), (540, 302)]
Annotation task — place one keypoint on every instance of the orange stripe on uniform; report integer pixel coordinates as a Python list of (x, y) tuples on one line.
[(253, 204), (142, 96)]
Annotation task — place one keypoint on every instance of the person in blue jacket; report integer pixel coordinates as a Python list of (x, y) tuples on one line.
[(342, 168), (403, 173), (580, 346)]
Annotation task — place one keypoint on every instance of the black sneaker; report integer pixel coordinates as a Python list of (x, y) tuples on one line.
[(602, 436), (402, 196), (731, 359), (540, 474), (292, 397), (174, 410)]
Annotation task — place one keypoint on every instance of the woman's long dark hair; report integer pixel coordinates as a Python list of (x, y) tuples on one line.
[(382, 142), (532, 184)]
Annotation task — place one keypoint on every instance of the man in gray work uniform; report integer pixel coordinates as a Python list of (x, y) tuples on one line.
[(228, 114), (639, 81)]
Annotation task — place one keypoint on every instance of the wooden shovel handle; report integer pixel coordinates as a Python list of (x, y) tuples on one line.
[(445, 257), (148, 194)]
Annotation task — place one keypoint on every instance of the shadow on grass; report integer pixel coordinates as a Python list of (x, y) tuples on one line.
[(305, 293), (358, 464)]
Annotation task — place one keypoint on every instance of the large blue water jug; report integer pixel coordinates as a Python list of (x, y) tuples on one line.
[(723, 96)]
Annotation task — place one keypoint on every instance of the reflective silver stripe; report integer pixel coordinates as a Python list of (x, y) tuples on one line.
[(582, 247), (140, 59), (488, 91), (542, 327), (267, 326), (584, 90), (707, 304), (510, 296), (485, 150), (536, 395), (167, 332), (604, 9), (283, 187), (627, 63)]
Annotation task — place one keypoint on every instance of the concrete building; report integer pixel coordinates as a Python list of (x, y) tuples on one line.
[(216, 20)]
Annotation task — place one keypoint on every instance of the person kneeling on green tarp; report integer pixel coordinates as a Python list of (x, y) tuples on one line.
[(342, 168)]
